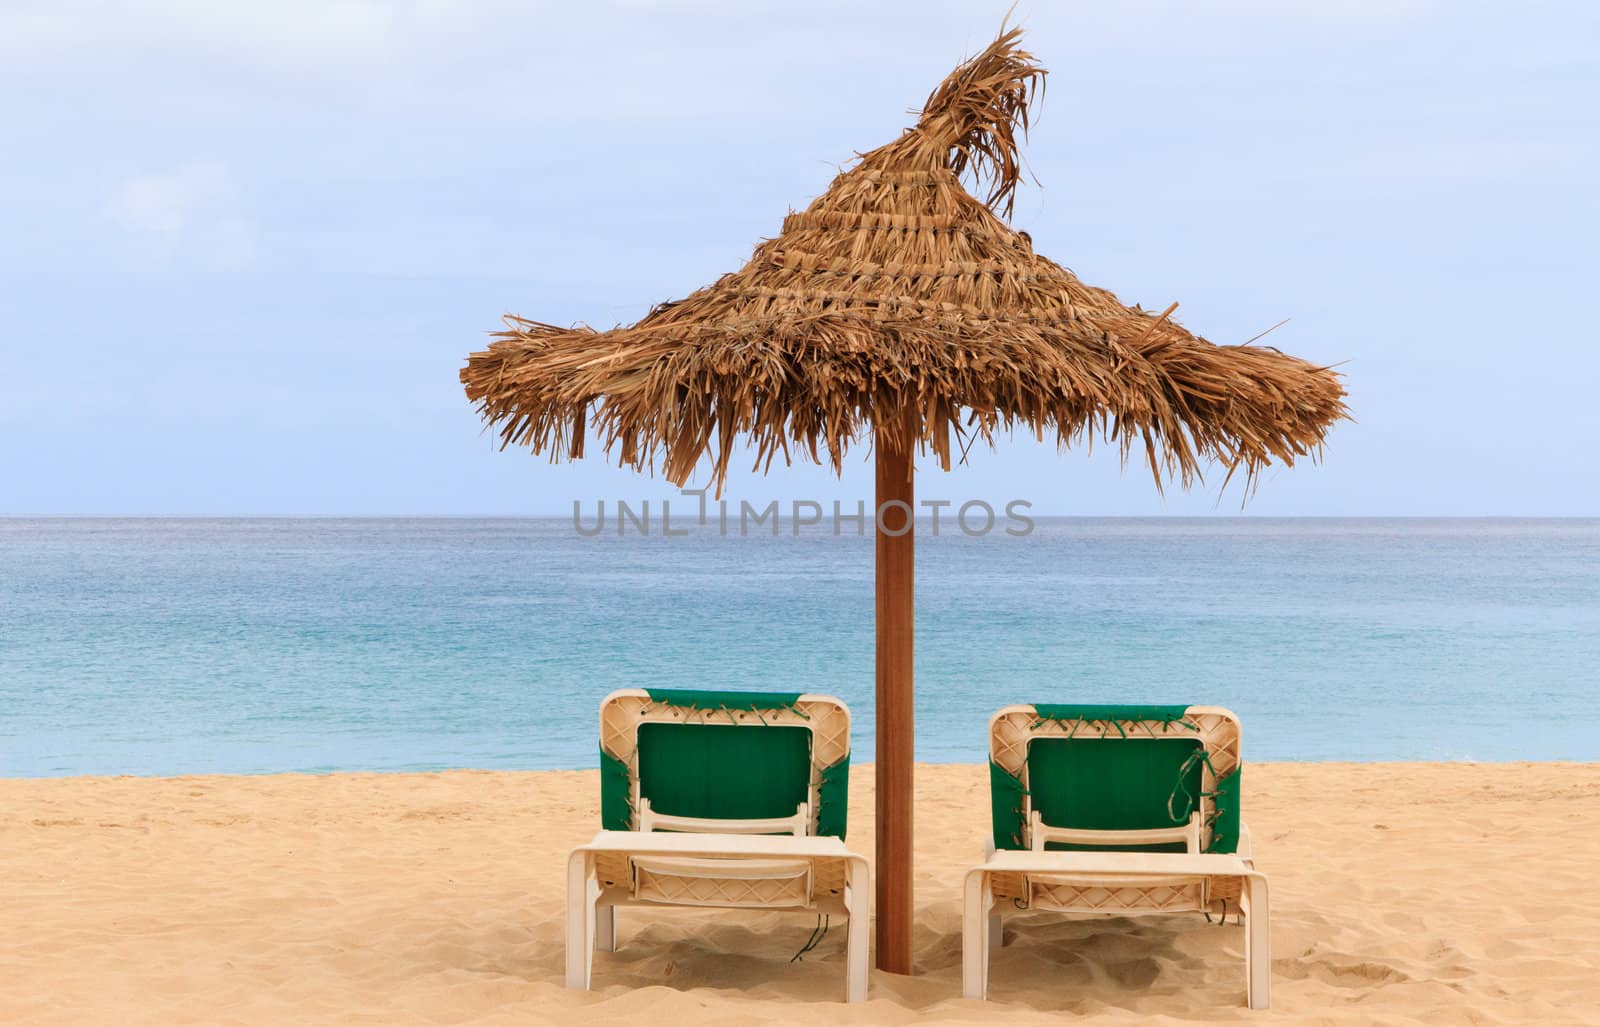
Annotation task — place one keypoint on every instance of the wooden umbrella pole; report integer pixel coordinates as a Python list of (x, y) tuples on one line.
[(895, 616)]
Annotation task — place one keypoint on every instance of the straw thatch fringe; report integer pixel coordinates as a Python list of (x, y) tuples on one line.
[(896, 290)]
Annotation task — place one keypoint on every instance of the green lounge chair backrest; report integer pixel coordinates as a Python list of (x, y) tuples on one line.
[(1119, 768), (724, 771), (724, 755), (1111, 784)]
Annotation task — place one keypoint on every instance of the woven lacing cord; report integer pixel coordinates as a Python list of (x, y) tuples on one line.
[(732, 713), (1189, 800), (1198, 756), (817, 934), (1105, 732), (734, 719)]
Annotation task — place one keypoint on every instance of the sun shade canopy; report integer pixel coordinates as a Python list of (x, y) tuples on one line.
[(898, 295)]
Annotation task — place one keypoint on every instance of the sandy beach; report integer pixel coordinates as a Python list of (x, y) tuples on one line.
[(1403, 894)]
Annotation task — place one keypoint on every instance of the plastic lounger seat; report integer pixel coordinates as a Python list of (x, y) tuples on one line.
[(1115, 809), (719, 799)]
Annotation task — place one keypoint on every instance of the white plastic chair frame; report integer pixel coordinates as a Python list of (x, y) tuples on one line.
[(1041, 834), (707, 862), (649, 820), (1116, 882)]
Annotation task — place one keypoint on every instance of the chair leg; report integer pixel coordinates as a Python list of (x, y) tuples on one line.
[(605, 934), (997, 931), (975, 941), (1257, 943), (582, 891), (855, 951)]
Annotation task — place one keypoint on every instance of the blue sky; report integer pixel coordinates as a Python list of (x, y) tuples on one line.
[(245, 248)]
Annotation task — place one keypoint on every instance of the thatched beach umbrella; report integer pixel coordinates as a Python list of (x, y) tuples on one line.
[(899, 304)]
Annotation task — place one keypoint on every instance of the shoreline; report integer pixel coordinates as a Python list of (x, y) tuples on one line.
[(856, 766)]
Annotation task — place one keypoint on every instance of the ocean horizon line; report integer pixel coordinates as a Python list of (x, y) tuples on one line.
[(1053, 517)]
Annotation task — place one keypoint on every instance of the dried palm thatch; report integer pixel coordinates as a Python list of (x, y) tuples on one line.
[(897, 297)]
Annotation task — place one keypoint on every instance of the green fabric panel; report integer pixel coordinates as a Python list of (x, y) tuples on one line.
[(702, 699), (739, 772), (616, 794), (1112, 784), (1005, 807), (1070, 712), (1225, 805), (833, 799)]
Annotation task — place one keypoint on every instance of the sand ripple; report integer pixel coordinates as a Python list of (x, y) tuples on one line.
[(1404, 894)]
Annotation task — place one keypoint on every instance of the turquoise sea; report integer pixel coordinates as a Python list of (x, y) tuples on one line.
[(200, 646)]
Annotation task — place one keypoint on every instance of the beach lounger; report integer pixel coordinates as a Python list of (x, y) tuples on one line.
[(719, 799), (1115, 810)]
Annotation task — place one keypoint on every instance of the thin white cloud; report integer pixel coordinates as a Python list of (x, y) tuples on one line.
[(189, 212)]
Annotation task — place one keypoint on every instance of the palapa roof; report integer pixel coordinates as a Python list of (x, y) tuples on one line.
[(899, 299)]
